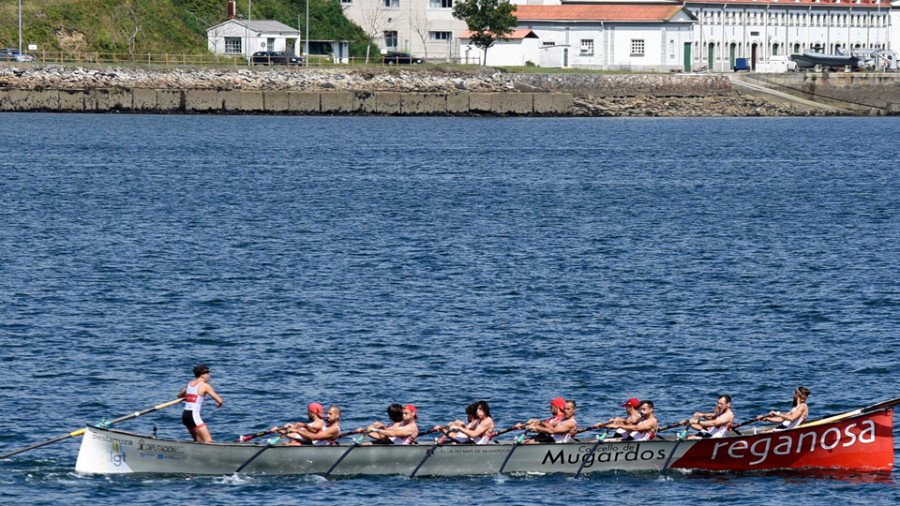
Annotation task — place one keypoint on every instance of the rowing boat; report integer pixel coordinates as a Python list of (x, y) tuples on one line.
[(860, 441)]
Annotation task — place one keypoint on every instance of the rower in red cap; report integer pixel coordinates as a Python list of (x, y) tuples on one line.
[(633, 415), (403, 432), (316, 415), (559, 428)]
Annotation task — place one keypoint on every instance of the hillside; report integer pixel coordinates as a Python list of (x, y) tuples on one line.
[(156, 26)]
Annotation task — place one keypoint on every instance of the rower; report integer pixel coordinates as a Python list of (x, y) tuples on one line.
[(193, 394), (479, 429), (644, 429), (797, 415), (316, 416), (459, 437), (559, 428), (632, 416), (403, 432), (327, 435), (715, 424)]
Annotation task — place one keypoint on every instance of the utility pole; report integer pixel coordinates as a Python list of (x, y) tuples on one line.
[(20, 25), (249, 18), (306, 43)]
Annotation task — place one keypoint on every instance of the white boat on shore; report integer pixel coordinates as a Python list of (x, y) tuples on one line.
[(861, 440)]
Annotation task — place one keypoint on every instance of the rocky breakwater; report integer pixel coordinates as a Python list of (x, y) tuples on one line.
[(372, 90)]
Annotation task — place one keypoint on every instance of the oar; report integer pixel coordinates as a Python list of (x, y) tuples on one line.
[(430, 452), (270, 443), (593, 448), (672, 426), (681, 436), (579, 431), (429, 432), (242, 439), (747, 422), (104, 424), (511, 450), (356, 442), (504, 431)]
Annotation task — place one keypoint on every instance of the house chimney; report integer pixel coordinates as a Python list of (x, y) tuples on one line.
[(231, 9)]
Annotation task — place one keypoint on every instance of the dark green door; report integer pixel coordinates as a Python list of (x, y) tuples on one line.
[(687, 56)]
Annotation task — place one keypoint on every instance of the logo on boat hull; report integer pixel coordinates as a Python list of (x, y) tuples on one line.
[(610, 453)]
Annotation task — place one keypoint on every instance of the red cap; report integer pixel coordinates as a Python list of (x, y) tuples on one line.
[(631, 403), (559, 402), (411, 408), (315, 407)]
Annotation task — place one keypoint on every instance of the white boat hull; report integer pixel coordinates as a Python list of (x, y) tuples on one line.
[(106, 451)]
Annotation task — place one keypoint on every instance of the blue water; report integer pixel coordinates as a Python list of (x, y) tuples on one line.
[(437, 261)]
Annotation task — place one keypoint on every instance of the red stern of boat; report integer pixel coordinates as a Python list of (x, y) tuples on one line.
[(861, 443)]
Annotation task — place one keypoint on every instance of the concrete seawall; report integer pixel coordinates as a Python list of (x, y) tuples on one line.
[(168, 101)]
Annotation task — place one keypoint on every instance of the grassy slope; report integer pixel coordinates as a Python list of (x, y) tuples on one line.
[(167, 26)]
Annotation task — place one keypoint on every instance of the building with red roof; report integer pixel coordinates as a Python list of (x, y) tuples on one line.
[(638, 35)]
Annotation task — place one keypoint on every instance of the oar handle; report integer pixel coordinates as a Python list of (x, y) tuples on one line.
[(672, 426), (504, 431), (747, 422), (242, 439), (432, 431), (350, 433)]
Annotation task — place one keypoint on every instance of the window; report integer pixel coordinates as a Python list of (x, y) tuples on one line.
[(390, 40), (233, 45), (637, 46), (548, 43), (440, 35), (441, 4), (392, 3), (587, 46), (346, 1)]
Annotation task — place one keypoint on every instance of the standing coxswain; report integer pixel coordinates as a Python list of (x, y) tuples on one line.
[(193, 395)]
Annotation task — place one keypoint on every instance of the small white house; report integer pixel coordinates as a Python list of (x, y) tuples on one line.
[(237, 36), (522, 47)]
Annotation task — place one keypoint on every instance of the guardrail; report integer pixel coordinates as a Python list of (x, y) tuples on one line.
[(188, 59)]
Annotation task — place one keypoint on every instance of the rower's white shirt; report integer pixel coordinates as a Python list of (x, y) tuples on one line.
[(565, 437), (796, 421), (323, 442), (720, 430)]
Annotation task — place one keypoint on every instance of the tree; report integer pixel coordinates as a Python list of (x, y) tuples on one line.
[(130, 17), (420, 26), (374, 20), (488, 20)]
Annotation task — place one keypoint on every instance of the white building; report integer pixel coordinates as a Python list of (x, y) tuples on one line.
[(522, 47), (677, 34), (425, 28), (612, 36), (757, 29), (238, 36)]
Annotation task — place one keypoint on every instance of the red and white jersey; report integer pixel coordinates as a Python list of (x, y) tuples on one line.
[(193, 401)]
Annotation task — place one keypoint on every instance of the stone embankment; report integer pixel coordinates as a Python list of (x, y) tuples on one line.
[(386, 91)]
